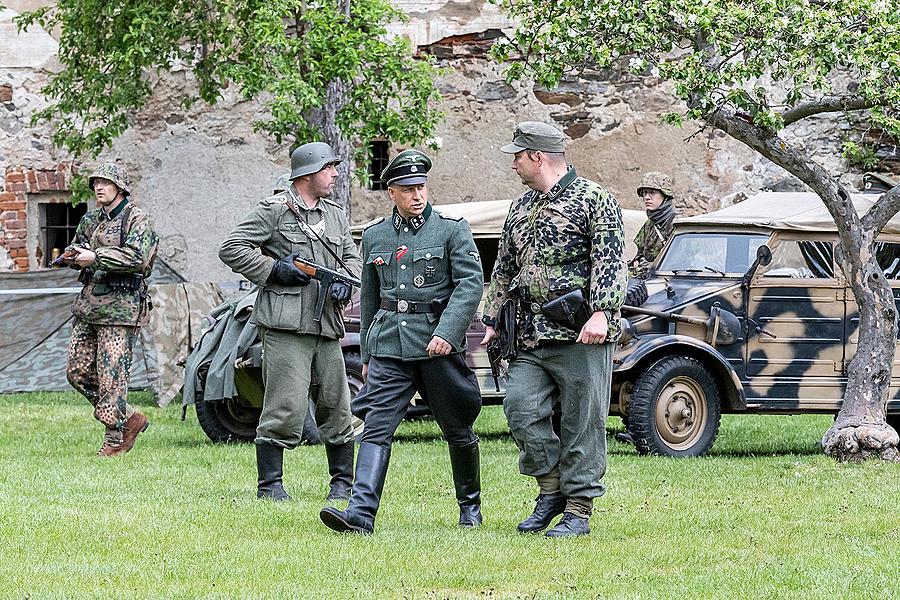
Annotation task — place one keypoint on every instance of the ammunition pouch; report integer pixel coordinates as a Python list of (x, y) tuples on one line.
[(85, 276), (569, 310), (106, 282)]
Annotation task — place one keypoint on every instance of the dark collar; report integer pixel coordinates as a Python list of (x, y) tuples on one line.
[(559, 186), (417, 222), (118, 209)]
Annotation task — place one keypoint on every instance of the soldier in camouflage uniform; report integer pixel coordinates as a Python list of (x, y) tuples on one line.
[(299, 222), (564, 234), (657, 193), (114, 247), (422, 281)]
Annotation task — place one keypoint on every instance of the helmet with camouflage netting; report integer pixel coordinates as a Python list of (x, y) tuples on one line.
[(113, 172)]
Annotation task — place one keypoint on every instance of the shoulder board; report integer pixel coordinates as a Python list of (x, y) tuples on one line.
[(448, 217), (331, 202), (276, 199), (372, 223)]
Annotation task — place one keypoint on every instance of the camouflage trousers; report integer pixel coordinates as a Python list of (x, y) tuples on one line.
[(98, 367)]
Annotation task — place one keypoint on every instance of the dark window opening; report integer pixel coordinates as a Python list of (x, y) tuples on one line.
[(378, 160), (59, 220), (888, 256)]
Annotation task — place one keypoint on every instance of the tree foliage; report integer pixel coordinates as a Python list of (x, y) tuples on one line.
[(284, 52), (752, 68)]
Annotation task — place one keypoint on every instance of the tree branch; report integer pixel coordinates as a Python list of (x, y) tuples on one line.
[(825, 105), (886, 207)]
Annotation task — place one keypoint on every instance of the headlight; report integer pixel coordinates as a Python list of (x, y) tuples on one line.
[(627, 330)]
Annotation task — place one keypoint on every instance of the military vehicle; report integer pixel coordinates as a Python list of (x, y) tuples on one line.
[(745, 311)]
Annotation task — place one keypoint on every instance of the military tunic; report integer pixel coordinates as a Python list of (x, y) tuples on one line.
[(293, 342), (108, 318), (570, 237), (408, 264), (649, 240)]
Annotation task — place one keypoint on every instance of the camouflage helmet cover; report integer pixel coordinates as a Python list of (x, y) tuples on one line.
[(654, 180), (113, 172), (311, 158)]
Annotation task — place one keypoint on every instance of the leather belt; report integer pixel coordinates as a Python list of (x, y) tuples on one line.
[(404, 306)]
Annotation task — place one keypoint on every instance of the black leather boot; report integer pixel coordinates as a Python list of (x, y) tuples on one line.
[(547, 507), (269, 465), (466, 466), (371, 469), (340, 467)]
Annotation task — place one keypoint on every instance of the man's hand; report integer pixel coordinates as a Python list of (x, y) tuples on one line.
[(439, 347), (489, 334), (285, 273), (340, 291), (365, 373), (595, 330), (85, 257)]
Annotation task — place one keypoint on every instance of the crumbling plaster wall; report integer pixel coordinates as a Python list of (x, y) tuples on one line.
[(198, 171)]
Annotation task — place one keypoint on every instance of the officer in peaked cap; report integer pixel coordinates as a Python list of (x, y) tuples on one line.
[(422, 282), (299, 221)]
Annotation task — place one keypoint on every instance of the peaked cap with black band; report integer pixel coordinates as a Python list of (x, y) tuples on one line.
[(410, 167)]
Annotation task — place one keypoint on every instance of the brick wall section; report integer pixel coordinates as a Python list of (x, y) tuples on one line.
[(18, 183)]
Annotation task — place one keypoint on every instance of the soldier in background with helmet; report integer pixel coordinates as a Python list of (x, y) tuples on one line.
[(114, 247), (657, 193), (421, 285), (299, 222)]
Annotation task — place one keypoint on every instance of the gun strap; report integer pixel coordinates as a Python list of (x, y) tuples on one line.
[(307, 230)]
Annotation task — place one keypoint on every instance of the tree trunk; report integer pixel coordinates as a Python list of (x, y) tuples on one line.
[(860, 430)]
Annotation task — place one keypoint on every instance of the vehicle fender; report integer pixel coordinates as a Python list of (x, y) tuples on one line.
[(646, 352)]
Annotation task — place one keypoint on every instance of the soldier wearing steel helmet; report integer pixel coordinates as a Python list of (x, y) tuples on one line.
[(300, 221), (657, 193), (114, 247), (422, 281)]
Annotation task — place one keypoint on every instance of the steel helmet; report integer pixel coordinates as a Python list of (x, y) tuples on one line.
[(113, 172), (311, 158), (654, 180)]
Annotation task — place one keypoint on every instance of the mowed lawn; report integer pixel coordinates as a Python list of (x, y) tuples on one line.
[(764, 516)]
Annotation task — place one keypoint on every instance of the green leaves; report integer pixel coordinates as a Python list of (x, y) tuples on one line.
[(283, 52), (758, 58)]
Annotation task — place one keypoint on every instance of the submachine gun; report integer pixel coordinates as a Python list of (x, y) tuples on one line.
[(326, 278)]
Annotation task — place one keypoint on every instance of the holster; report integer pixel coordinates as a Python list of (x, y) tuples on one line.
[(507, 329), (439, 305), (570, 310)]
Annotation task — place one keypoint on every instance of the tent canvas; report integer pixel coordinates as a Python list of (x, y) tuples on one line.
[(36, 324)]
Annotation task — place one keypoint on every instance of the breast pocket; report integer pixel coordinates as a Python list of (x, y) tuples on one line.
[(383, 263), (297, 240), (429, 267)]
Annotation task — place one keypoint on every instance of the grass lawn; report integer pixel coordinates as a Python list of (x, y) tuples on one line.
[(764, 516)]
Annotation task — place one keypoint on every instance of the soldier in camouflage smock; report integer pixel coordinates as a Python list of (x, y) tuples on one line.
[(565, 234), (114, 247), (657, 193)]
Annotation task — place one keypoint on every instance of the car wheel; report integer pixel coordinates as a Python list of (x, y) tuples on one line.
[(674, 409), (231, 420), (635, 292)]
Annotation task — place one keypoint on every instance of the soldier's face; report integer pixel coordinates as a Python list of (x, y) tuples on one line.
[(527, 166), (105, 191), (410, 200), (322, 182), (652, 198)]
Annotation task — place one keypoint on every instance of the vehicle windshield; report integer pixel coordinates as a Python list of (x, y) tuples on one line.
[(714, 254)]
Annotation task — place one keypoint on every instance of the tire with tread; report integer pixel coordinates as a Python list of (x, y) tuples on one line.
[(636, 292), (674, 408)]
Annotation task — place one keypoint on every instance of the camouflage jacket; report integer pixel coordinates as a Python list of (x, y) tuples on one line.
[(272, 231), (571, 237), (649, 241), (417, 260), (98, 303)]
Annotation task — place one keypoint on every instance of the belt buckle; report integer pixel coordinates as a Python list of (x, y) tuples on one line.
[(402, 306), (535, 307)]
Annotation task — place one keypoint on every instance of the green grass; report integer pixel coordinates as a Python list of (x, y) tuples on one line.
[(764, 516)]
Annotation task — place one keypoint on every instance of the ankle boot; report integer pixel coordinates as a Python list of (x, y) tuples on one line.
[(466, 466), (340, 467), (269, 465), (371, 469)]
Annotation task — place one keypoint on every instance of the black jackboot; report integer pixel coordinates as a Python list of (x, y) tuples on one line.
[(547, 507), (269, 461), (371, 469), (466, 466), (340, 467)]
